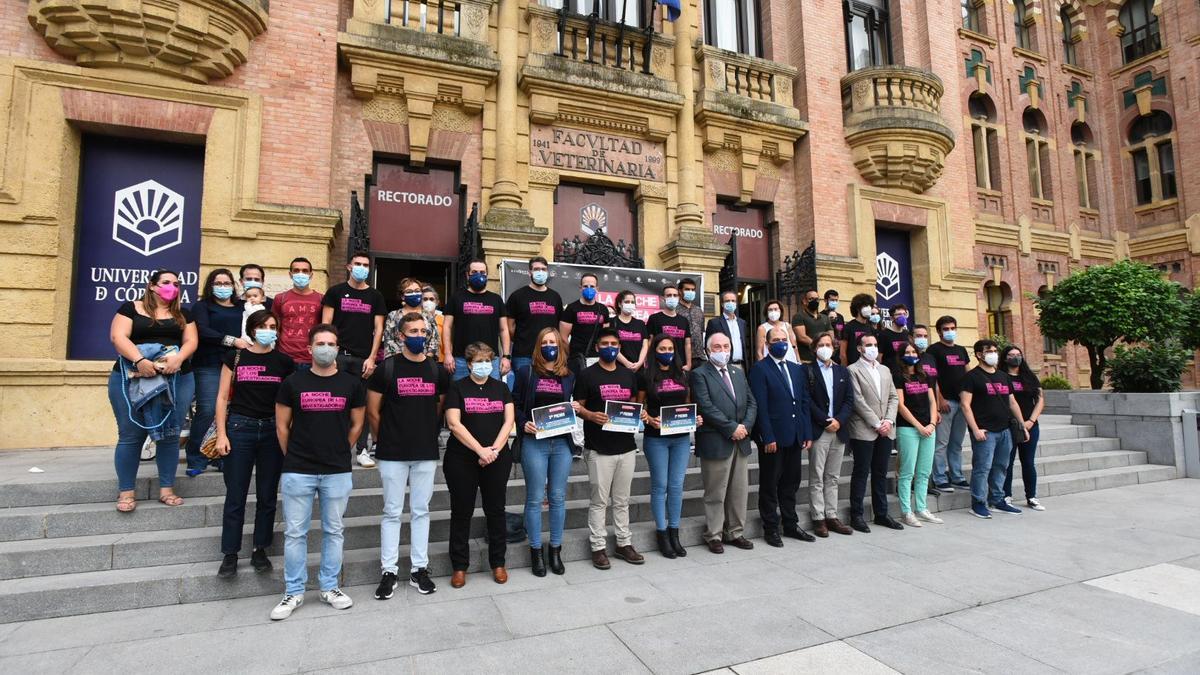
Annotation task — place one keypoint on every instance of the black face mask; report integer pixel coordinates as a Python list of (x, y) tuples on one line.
[(814, 305)]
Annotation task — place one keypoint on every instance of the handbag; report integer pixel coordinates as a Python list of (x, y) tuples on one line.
[(1017, 429), (208, 446)]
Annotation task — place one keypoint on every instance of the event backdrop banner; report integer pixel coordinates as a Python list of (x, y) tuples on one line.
[(647, 285), (139, 211)]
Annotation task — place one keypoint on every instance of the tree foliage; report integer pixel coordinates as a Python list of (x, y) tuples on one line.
[(1153, 367), (1189, 334)]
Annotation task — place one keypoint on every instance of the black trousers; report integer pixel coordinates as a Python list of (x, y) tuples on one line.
[(464, 480), (870, 461), (253, 453), (779, 476)]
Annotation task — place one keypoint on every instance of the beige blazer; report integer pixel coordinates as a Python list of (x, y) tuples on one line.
[(869, 408)]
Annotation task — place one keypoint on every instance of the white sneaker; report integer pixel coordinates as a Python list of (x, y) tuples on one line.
[(337, 599), (365, 460), (910, 520), (1008, 500), (1034, 504), (930, 518), (286, 606)]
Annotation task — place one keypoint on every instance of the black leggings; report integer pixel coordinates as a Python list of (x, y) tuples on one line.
[(465, 479)]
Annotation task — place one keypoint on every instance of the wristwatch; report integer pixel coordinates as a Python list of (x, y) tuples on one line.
[(228, 340), (507, 356)]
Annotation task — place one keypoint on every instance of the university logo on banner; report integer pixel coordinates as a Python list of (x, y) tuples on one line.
[(148, 217), (887, 276)]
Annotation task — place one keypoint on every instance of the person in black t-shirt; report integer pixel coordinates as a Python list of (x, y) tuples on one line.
[(951, 364), (480, 415), (837, 322), (676, 326), (246, 439), (475, 315), (894, 334), (611, 458), (318, 416), (581, 323), (916, 423), (635, 338), (404, 409), (863, 322), (530, 309), (1027, 389), (989, 406)]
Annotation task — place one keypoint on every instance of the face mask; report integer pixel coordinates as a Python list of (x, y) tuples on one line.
[(429, 305), (1014, 360), (814, 305), (824, 353), (773, 315), (222, 292), (991, 359), (609, 354), (478, 281), (730, 307), (865, 312), (251, 283), (550, 352), (628, 308), (415, 343), (265, 336), (412, 299), (910, 360), (719, 359), (949, 335), (540, 277), (482, 369), (588, 294), (870, 353), (671, 302), (901, 321), (665, 358), (690, 296), (875, 318), (832, 304), (324, 355), (167, 293), (301, 280), (360, 273), (922, 343), (778, 349)]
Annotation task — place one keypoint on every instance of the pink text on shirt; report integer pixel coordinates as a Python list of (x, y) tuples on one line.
[(321, 401)]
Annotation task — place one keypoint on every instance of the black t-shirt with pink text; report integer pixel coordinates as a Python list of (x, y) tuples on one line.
[(951, 366), (354, 312), (256, 381), (481, 409), (916, 398), (586, 322), (676, 327), (632, 335), (989, 398), (477, 318), (665, 391), (594, 387), (408, 416), (533, 311), (319, 442)]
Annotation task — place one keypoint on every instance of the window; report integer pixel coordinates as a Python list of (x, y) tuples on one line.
[(1140, 25), (1068, 36), (986, 141), (999, 308), (610, 10), (1153, 157), (1037, 154), (1022, 33), (868, 36), (971, 20), (733, 25), (1085, 165)]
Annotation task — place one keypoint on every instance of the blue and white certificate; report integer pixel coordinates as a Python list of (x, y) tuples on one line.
[(556, 419), (623, 417), (677, 419)]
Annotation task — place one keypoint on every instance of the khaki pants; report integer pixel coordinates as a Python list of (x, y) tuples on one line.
[(824, 469), (610, 476), (726, 483)]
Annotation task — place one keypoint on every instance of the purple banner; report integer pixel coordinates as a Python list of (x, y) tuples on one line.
[(139, 211), (893, 270)]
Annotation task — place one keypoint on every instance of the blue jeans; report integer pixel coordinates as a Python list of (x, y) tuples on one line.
[(545, 461), (253, 451), (668, 458), (518, 362), (208, 381), (298, 490), (989, 466), (130, 436), (1028, 453), (462, 371), (948, 457), (417, 476)]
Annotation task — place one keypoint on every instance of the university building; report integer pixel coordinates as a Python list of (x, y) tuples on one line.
[(959, 157)]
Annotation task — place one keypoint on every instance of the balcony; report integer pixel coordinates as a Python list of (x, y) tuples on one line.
[(448, 31), (894, 126), (748, 93), (195, 40)]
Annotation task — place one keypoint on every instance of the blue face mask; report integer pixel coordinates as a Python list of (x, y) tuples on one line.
[(588, 293), (265, 336), (540, 277), (481, 369), (222, 292), (609, 354), (412, 299), (875, 318), (301, 280), (477, 281), (360, 273), (778, 349), (550, 352), (730, 307), (415, 344), (910, 360), (949, 335), (665, 358), (689, 296), (922, 343), (671, 302)]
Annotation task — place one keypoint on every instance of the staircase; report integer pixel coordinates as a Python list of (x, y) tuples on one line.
[(65, 550)]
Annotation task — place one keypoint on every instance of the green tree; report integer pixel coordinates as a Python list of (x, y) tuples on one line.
[(1189, 334), (1098, 306)]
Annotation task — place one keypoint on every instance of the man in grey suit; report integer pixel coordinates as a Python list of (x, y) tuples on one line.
[(872, 431), (723, 399)]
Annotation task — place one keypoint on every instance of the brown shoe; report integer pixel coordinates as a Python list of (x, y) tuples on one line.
[(740, 542), (837, 526), (820, 529), (458, 579), (715, 546), (499, 575), (600, 560), (629, 555)]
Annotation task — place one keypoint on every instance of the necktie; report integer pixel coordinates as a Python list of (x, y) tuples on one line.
[(786, 378), (728, 383)]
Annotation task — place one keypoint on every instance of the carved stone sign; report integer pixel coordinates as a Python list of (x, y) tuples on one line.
[(594, 152)]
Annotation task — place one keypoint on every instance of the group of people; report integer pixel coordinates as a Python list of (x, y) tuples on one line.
[(291, 385)]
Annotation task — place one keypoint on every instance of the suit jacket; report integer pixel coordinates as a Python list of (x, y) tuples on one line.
[(869, 408), (783, 412), (719, 324), (721, 414), (843, 400)]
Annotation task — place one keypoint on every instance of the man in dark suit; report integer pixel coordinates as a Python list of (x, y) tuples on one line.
[(783, 433), (734, 327), (832, 403), (723, 399)]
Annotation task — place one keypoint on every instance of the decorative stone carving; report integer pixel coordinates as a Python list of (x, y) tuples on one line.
[(450, 118), (386, 108), (196, 40)]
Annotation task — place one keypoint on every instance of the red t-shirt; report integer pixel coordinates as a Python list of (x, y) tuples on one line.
[(296, 314)]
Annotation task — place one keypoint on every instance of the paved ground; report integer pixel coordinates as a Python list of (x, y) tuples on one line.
[(1102, 582)]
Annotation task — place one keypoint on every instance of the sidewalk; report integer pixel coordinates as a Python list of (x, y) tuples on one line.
[(1102, 582)]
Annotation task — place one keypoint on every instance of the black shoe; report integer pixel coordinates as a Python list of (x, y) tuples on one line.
[(576, 453), (933, 491), (797, 533), (420, 580), (537, 561), (259, 560), (961, 484), (772, 538), (554, 559), (888, 522), (228, 566), (673, 535), (860, 525), (387, 586), (664, 544)]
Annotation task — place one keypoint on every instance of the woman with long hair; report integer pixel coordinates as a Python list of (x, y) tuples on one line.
[(218, 314), (916, 422), (631, 330), (1027, 389), (773, 312), (545, 462), (154, 338)]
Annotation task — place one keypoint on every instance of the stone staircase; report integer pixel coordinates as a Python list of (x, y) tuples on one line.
[(65, 550)]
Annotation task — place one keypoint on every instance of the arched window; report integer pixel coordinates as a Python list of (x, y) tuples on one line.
[(1021, 30), (733, 25), (999, 308), (1153, 156), (972, 19), (1068, 35), (1085, 165), (1037, 154), (868, 35), (986, 140), (1140, 36)]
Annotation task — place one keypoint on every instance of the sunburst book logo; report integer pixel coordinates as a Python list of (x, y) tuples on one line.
[(148, 217), (887, 276)]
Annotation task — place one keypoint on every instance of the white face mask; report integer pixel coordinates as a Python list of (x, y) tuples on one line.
[(428, 305), (991, 358), (719, 359), (824, 353), (865, 312), (628, 308), (870, 353), (773, 315)]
